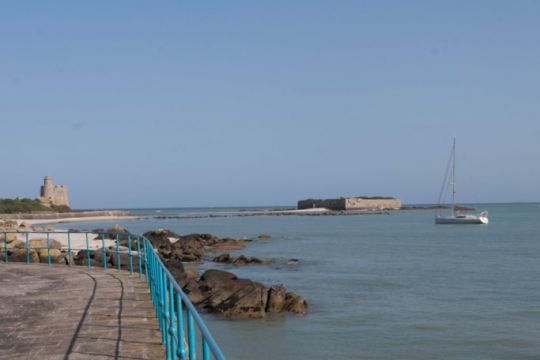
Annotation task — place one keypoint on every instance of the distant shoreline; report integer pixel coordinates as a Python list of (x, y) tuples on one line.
[(75, 216), (109, 215)]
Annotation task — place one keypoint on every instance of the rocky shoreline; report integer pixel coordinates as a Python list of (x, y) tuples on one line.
[(215, 291), (219, 291)]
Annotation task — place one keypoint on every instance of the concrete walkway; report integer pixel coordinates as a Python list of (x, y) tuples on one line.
[(59, 312)]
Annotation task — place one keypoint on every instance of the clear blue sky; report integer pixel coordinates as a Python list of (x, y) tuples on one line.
[(222, 103)]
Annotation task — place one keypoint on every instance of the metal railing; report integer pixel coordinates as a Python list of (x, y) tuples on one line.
[(179, 321)]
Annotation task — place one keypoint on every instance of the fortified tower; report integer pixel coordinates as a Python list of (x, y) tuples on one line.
[(53, 194)]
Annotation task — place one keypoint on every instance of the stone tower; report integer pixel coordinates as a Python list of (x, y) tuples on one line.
[(47, 188), (53, 194)]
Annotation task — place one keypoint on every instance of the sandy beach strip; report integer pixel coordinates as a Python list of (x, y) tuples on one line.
[(37, 222)]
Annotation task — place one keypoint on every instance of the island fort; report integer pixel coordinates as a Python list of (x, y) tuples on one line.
[(352, 203)]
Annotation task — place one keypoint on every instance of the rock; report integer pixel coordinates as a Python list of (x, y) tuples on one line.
[(16, 255), (124, 260), (228, 244), (42, 243), (16, 244), (214, 276), (196, 294), (117, 229), (233, 297), (113, 248), (295, 303), (176, 268), (57, 257), (115, 232), (189, 249), (264, 236), (33, 256), (160, 236), (191, 273), (276, 298), (99, 259), (223, 258), (239, 261), (82, 259), (96, 257), (9, 238), (247, 299)]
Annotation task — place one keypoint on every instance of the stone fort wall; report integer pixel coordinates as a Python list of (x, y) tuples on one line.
[(359, 203), (350, 204)]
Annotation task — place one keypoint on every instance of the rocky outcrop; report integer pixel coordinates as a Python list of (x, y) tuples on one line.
[(240, 260), (276, 298), (224, 293), (295, 303), (37, 255), (189, 248)]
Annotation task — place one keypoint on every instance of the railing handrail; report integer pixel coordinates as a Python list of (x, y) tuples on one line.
[(202, 326), (161, 292)]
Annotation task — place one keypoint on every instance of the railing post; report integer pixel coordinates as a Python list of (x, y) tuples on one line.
[(69, 249), (155, 281), (104, 251), (139, 257), (87, 252), (146, 243), (191, 336), (5, 248), (153, 278), (166, 317), (148, 275), (130, 255), (180, 328), (172, 330), (162, 306), (49, 247), (205, 349), (118, 251), (27, 250)]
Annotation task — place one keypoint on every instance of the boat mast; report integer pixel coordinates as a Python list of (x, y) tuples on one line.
[(454, 178)]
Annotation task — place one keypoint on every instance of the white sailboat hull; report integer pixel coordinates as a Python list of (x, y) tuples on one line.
[(462, 219)]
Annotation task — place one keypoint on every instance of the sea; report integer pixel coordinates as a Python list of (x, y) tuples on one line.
[(392, 286)]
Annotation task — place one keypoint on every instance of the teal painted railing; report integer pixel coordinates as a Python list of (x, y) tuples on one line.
[(179, 321)]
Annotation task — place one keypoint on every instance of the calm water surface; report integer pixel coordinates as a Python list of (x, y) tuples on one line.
[(387, 287)]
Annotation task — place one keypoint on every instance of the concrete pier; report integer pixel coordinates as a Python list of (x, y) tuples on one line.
[(59, 312)]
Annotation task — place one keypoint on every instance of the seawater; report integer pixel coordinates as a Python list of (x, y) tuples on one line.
[(385, 286)]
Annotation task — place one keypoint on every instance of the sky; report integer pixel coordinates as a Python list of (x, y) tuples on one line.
[(244, 103)]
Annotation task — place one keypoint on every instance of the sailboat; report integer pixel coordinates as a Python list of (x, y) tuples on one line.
[(457, 216)]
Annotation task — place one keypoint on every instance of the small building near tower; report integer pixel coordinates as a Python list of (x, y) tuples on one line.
[(51, 194)]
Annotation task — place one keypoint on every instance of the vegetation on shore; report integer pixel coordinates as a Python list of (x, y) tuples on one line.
[(25, 205), (376, 197), (356, 197)]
